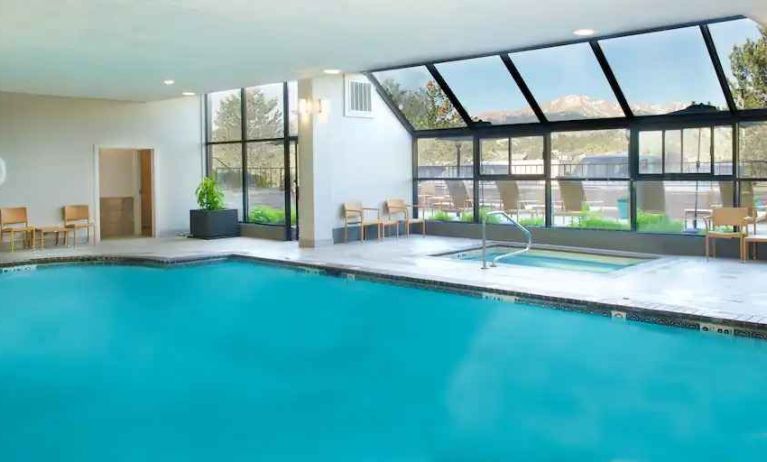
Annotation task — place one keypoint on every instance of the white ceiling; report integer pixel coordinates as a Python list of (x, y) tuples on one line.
[(124, 49)]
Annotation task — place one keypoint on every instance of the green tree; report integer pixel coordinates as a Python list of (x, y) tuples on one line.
[(749, 86), (426, 107), (749, 69), (263, 120)]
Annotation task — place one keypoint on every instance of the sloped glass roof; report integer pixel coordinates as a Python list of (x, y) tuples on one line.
[(567, 82), (666, 72), (742, 49), (487, 91), (420, 98)]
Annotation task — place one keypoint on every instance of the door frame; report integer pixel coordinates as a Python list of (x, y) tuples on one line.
[(96, 193)]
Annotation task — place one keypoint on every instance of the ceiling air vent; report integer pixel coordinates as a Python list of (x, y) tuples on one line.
[(358, 96)]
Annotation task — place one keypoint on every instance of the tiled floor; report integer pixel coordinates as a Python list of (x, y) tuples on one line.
[(718, 288)]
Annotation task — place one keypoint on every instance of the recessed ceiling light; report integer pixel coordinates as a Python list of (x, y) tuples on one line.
[(584, 32), (169, 82), (332, 71), (188, 93)]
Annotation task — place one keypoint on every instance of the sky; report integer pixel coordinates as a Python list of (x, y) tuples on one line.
[(566, 70), (659, 68), (664, 67)]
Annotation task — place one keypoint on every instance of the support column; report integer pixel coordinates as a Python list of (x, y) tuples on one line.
[(315, 211)]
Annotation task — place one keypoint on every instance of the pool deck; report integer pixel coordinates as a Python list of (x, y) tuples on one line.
[(723, 289)]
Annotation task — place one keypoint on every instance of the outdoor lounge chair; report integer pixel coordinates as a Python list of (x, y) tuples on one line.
[(737, 217), (78, 217), (573, 199), (13, 221), (460, 201), (398, 207), (354, 215)]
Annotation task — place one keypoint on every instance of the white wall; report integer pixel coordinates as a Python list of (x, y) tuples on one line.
[(354, 159), (47, 144)]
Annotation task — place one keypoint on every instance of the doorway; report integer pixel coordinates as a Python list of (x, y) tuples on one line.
[(126, 193)]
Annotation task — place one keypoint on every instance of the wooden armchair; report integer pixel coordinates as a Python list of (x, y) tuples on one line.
[(78, 217), (354, 215), (13, 221), (737, 217), (398, 207)]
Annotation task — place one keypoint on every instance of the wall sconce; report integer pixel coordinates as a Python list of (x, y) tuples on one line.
[(316, 107)]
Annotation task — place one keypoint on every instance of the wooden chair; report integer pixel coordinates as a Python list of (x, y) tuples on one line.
[(399, 207), (354, 215), (13, 220), (737, 217), (78, 217)]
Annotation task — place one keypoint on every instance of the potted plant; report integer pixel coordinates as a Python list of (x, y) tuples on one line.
[(212, 220)]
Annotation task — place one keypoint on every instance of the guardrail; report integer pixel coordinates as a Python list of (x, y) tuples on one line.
[(525, 231)]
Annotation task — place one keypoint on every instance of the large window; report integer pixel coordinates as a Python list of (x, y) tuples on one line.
[(446, 200), (679, 206), (225, 167), (742, 49), (590, 154), (568, 83), (525, 201), (665, 72), (420, 98), (266, 182), (704, 150), (522, 155), (225, 116), (591, 204), (752, 158), (487, 91), (445, 157), (685, 148), (248, 157)]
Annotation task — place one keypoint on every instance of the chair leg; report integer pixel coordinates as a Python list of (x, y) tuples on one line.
[(706, 244), (362, 233), (346, 233), (13, 246)]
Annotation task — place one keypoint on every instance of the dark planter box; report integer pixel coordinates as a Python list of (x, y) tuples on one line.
[(213, 224)]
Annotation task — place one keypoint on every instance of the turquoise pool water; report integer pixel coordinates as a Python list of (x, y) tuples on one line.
[(242, 362), (557, 259)]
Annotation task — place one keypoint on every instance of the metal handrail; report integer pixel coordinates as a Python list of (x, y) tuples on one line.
[(524, 230)]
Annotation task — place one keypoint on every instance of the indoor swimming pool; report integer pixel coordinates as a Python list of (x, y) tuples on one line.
[(240, 361)]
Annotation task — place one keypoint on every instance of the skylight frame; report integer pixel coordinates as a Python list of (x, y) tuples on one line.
[(731, 114)]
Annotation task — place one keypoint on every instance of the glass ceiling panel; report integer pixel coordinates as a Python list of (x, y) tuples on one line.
[(568, 82), (487, 91), (419, 97), (742, 49), (668, 72)]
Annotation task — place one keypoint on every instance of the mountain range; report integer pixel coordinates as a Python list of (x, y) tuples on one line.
[(574, 107)]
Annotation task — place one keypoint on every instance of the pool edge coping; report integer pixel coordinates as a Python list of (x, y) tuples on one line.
[(659, 314)]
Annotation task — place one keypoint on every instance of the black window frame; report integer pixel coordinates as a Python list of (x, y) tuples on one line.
[(287, 140)]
